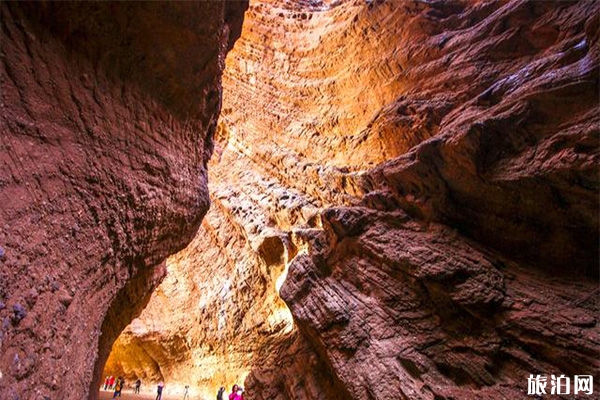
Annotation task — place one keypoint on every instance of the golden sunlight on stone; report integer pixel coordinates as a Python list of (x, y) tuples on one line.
[(361, 200), (376, 183)]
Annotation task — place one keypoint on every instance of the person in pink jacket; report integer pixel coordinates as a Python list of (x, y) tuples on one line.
[(236, 393)]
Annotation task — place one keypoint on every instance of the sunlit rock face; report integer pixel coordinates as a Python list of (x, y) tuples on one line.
[(217, 316), (417, 181), (108, 112)]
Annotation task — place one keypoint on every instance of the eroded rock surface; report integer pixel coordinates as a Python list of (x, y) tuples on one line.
[(108, 112), (423, 175)]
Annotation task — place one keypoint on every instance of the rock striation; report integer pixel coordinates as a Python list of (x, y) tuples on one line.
[(108, 112), (404, 205)]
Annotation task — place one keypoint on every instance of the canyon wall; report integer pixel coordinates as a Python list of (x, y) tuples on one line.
[(108, 113), (404, 205)]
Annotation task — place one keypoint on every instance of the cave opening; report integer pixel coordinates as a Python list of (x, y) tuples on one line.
[(206, 324)]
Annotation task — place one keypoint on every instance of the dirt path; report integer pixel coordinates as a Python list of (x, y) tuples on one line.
[(128, 395)]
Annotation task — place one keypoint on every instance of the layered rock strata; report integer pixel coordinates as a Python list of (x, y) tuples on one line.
[(418, 180), (108, 112)]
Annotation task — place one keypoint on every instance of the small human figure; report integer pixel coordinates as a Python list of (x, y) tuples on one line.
[(106, 383), (111, 382), (119, 387), (236, 393), (138, 383), (220, 393), (159, 390), (233, 391), (186, 394)]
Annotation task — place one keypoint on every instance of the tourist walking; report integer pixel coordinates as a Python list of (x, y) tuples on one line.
[(138, 383), (236, 393), (106, 383), (111, 382), (159, 390), (186, 395), (119, 387), (220, 393)]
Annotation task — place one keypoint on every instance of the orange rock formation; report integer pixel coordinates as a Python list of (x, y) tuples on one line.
[(418, 180), (404, 197)]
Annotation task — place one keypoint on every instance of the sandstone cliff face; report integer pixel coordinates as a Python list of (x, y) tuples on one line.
[(418, 182), (108, 112)]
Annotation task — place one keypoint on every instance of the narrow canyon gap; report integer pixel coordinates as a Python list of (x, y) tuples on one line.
[(108, 114), (404, 199)]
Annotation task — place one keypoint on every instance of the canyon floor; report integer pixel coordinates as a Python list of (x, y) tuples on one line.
[(129, 395)]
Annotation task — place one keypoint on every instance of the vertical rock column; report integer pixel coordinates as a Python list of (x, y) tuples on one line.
[(108, 111)]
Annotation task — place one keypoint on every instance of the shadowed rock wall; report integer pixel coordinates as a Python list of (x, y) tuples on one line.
[(424, 177), (108, 112)]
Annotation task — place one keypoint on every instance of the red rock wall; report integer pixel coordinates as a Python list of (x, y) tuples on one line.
[(415, 310), (108, 111), (403, 307), (491, 108)]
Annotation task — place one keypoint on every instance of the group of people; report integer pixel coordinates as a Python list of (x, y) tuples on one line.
[(117, 385), (237, 393), (110, 383)]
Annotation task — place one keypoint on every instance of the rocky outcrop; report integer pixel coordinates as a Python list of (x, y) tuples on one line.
[(217, 315), (414, 310), (418, 181), (108, 112)]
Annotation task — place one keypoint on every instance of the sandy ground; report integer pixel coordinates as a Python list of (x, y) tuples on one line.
[(128, 395)]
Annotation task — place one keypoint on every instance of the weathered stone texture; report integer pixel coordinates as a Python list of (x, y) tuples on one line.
[(426, 175), (108, 112)]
